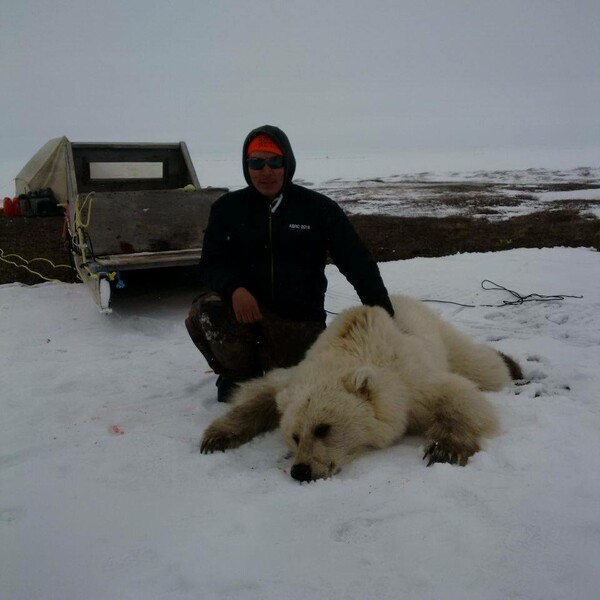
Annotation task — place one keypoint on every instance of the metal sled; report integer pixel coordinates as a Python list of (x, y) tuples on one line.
[(127, 206)]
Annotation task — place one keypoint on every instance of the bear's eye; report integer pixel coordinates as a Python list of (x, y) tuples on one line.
[(296, 438), (322, 430)]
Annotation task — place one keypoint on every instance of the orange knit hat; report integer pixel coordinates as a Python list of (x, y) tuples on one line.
[(263, 143)]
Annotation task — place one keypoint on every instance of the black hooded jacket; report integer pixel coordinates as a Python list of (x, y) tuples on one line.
[(280, 256)]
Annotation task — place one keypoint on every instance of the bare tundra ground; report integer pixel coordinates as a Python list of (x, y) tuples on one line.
[(397, 219)]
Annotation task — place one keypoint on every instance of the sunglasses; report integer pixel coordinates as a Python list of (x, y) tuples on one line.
[(256, 164)]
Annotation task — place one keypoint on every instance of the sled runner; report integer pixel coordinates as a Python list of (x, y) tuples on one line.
[(127, 206)]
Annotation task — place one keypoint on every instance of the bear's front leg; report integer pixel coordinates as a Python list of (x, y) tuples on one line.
[(459, 417), (255, 412)]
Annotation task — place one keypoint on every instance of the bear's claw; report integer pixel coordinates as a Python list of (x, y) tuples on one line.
[(216, 442), (437, 453)]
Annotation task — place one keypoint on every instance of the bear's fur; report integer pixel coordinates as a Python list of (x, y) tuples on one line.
[(369, 379)]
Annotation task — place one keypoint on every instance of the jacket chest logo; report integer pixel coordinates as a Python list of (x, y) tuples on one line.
[(299, 226)]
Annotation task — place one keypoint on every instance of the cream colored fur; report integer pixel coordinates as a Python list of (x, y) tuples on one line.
[(367, 381)]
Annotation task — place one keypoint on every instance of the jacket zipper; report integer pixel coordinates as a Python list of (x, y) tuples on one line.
[(271, 254)]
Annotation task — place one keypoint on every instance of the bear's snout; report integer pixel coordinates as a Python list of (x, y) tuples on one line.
[(301, 472)]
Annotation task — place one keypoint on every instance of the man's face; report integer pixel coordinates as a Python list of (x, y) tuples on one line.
[(267, 181)]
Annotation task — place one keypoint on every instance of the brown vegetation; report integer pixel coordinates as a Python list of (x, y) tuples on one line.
[(389, 238)]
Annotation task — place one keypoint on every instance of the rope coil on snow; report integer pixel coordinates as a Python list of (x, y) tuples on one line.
[(491, 285), (520, 299)]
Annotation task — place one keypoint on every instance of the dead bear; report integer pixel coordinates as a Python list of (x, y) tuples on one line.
[(367, 381)]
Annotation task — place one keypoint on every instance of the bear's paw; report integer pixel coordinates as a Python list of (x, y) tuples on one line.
[(216, 439), (448, 451)]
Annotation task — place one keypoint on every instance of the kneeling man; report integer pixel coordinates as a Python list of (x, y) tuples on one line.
[(262, 269)]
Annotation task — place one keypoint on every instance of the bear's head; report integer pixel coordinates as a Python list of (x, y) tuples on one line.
[(327, 422)]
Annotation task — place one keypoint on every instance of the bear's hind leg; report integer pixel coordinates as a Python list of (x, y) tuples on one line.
[(459, 416), (255, 412)]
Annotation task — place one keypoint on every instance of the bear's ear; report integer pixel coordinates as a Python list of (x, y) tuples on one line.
[(360, 382)]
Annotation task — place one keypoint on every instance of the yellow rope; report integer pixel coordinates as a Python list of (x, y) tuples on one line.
[(80, 226), (78, 210), (4, 258)]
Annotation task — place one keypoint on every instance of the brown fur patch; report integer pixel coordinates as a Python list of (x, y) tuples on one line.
[(450, 440), (242, 423), (513, 366)]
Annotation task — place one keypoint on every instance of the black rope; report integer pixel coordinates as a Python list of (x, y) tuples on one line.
[(519, 298), (450, 302), (529, 298)]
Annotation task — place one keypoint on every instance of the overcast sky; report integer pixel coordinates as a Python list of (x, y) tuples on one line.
[(337, 76)]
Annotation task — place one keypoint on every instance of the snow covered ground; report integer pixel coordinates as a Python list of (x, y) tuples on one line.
[(492, 195), (486, 184), (104, 495)]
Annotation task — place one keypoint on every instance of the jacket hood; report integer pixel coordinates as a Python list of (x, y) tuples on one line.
[(279, 137)]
